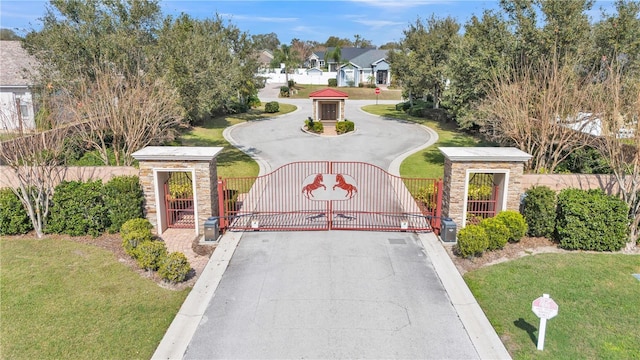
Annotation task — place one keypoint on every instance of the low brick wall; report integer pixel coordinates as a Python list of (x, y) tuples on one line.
[(558, 182), (83, 173)]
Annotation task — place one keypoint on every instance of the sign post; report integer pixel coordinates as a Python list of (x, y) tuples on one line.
[(545, 308), (377, 93)]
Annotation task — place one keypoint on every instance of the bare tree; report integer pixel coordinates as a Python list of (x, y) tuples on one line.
[(540, 109), (35, 168), (616, 102), (123, 114)]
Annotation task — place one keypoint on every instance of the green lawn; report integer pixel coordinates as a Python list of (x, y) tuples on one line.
[(231, 161), (428, 163), (355, 93), (65, 300), (598, 299)]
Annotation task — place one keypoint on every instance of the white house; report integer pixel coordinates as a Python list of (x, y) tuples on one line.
[(16, 101)]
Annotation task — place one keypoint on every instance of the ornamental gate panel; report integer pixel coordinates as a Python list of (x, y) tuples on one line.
[(178, 195), (329, 195), (482, 197)]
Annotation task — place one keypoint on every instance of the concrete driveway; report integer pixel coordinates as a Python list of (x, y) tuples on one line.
[(336, 294)]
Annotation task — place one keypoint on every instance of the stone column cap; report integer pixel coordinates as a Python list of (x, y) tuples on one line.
[(177, 153), (485, 154)]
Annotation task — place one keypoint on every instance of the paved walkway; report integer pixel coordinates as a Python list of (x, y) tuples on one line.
[(181, 240), (330, 294)]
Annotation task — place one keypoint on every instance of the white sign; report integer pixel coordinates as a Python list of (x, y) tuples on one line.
[(545, 308)]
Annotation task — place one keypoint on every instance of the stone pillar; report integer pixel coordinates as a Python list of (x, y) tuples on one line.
[(156, 162), (460, 162)]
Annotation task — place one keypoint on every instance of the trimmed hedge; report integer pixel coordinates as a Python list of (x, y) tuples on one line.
[(314, 126), (514, 221), (123, 199), (332, 82), (345, 126), (174, 268), (472, 241), (78, 209), (272, 107), (284, 91), (149, 254), (591, 220), (135, 232), (14, 219), (497, 233), (540, 211)]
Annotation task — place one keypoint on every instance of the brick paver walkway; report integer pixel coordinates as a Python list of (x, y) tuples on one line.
[(182, 240)]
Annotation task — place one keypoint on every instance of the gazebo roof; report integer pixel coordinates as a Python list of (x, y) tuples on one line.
[(328, 93)]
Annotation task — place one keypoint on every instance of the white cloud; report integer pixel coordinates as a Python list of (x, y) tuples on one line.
[(377, 24), (260, 18), (400, 5)]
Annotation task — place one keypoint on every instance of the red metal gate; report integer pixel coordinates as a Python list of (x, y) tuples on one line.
[(482, 197), (325, 195), (178, 195)]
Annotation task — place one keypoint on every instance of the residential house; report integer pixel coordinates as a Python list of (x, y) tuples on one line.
[(357, 65), (264, 59), (17, 111)]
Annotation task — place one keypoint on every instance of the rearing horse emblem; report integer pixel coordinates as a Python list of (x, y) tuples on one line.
[(342, 184), (315, 185)]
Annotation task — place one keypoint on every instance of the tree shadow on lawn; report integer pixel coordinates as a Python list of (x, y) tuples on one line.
[(530, 329)]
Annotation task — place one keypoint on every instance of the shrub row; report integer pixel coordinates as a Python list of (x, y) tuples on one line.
[(14, 219), (152, 255), (577, 219), (91, 208), (345, 126), (491, 234), (272, 107), (314, 126)]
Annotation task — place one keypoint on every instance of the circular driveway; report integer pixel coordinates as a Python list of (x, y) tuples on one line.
[(280, 140)]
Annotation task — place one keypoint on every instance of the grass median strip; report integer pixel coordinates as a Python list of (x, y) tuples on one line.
[(597, 297), (64, 300)]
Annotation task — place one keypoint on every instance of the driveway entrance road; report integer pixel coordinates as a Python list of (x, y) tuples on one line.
[(330, 295)]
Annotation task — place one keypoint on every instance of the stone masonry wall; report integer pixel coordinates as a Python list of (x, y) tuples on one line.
[(454, 181)]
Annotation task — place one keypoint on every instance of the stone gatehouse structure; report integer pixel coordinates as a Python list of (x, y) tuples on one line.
[(506, 165), (157, 163)]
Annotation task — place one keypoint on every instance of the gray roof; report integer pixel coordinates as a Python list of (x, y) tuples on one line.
[(15, 64), (346, 53), (365, 60)]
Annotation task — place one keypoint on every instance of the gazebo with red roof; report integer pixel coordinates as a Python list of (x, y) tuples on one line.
[(328, 105)]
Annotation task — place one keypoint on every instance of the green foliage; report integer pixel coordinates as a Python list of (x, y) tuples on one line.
[(314, 126), (78, 209), (253, 101), (175, 267), (150, 254), (591, 220), (584, 161), (333, 82), (345, 126), (272, 107), (291, 83), (479, 192), (540, 211), (284, 91), (123, 200), (515, 222), (135, 232), (472, 241), (427, 197), (497, 233), (14, 219)]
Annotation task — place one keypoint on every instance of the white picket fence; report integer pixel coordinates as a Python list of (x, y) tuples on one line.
[(300, 76)]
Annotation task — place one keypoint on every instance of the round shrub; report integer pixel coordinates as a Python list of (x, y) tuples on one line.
[(14, 219), (514, 221), (272, 107), (131, 240), (472, 241), (540, 211), (345, 126), (174, 268), (150, 254), (497, 233), (138, 224)]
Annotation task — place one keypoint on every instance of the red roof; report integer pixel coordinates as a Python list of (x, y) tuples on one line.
[(328, 93)]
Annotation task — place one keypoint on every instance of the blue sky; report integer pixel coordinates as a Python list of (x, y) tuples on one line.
[(380, 21)]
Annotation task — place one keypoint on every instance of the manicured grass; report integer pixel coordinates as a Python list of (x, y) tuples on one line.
[(597, 296), (428, 163), (355, 93), (65, 300), (231, 161)]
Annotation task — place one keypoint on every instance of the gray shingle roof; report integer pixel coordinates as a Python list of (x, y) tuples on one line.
[(15, 64), (365, 60)]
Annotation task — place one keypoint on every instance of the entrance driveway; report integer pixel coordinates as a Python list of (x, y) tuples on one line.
[(336, 294), (330, 295)]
